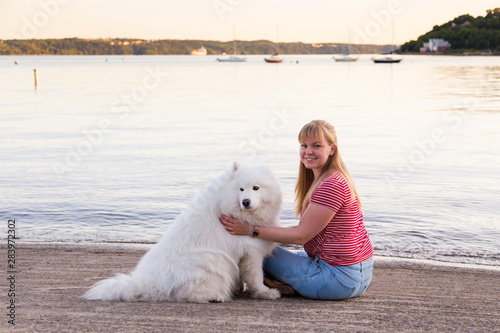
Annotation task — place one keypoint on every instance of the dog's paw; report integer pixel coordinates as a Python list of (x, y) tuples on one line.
[(215, 301), (210, 299), (267, 294)]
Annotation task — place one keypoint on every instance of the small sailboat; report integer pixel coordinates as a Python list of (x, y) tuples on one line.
[(347, 57), (388, 58), (234, 57), (275, 58)]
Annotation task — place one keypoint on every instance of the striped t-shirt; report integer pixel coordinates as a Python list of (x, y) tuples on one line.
[(344, 241)]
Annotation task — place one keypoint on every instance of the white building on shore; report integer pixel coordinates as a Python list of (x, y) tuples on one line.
[(435, 45)]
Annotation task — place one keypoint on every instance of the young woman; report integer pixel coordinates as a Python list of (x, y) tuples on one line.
[(338, 259)]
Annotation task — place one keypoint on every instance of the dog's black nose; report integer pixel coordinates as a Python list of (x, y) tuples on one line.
[(246, 202)]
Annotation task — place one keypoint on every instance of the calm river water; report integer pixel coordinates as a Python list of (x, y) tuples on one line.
[(112, 148)]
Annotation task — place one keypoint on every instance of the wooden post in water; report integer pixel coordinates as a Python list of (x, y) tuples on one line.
[(36, 78)]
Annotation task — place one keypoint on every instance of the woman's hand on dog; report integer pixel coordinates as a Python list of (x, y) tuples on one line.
[(234, 226)]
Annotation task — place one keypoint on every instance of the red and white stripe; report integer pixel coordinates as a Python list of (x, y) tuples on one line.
[(344, 241)]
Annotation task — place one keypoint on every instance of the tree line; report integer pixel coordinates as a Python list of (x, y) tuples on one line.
[(465, 34), (124, 46)]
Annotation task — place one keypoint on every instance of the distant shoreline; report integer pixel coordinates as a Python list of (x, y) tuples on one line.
[(128, 46)]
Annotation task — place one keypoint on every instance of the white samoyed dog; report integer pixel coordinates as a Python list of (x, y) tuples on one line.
[(197, 260)]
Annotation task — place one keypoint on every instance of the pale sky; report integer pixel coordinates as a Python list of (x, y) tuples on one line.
[(309, 21)]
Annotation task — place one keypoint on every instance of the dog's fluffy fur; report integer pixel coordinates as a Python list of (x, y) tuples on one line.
[(197, 260)]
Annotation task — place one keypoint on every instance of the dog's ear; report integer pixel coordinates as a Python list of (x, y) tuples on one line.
[(235, 166)]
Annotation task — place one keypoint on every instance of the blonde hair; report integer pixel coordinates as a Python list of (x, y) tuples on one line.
[(306, 183)]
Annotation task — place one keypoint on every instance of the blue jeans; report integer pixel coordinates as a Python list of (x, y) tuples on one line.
[(316, 279)]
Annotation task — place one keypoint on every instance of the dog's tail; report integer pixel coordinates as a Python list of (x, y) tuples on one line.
[(122, 287)]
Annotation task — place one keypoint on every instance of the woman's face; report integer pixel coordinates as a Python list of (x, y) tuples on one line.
[(314, 153)]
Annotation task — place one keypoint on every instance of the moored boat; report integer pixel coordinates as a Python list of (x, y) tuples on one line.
[(232, 58), (275, 58), (348, 57), (386, 60)]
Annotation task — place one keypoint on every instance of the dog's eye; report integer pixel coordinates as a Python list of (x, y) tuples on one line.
[(255, 188), (241, 189)]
